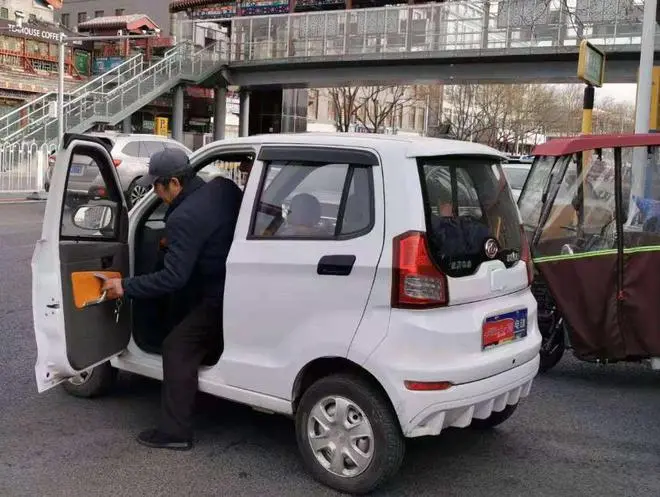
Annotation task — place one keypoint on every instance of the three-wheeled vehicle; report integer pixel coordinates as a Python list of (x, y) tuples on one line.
[(591, 211)]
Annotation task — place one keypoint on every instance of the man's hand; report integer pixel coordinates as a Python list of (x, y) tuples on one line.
[(114, 288)]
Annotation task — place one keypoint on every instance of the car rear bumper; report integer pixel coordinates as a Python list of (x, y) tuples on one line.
[(431, 412)]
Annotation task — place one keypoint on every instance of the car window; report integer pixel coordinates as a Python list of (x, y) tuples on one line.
[(150, 147), (131, 149), (85, 211), (314, 200), (516, 176)]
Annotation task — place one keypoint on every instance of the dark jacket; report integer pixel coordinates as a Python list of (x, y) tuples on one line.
[(459, 236), (199, 227)]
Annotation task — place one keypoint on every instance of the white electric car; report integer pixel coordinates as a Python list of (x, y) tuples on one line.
[(378, 288)]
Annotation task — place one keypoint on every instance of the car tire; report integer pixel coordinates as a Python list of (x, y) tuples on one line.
[(380, 451), (134, 193), (96, 383), (496, 418)]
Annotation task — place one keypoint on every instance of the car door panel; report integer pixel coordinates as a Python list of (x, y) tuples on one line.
[(91, 331), (72, 337), (310, 293)]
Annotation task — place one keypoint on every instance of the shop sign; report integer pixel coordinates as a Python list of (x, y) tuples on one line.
[(160, 126), (104, 64), (34, 32)]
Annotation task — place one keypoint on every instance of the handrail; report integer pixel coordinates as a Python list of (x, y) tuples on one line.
[(32, 103), (143, 74)]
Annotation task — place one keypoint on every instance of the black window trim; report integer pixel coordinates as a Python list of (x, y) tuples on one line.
[(342, 202), (120, 212), (327, 155)]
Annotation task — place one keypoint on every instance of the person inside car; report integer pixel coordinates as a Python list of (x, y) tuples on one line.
[(303, 218), (200, 224), (458, 235)]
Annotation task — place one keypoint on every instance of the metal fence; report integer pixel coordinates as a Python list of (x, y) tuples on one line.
[(23, 167)]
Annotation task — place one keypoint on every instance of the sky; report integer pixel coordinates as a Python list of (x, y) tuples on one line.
[(621, 92)]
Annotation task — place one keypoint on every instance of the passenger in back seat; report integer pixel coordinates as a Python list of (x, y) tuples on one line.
[(200, 226)]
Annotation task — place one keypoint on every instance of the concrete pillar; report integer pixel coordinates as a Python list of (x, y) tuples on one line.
[(244, 115), (177, 115), (220, 113), (126, 125)]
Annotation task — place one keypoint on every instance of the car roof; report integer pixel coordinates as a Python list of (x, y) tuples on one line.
[(415, 146)]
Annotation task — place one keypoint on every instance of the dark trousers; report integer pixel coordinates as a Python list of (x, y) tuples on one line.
[(197, 336)]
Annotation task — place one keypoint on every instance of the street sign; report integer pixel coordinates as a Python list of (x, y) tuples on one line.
[(160, 126), (591, 64)]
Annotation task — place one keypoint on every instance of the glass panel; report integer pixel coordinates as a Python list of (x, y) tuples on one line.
[(531, 198), (301, 200), (87, 210), (582, 217), (358, 211), (132, 149), (641, 203), (468, 202)]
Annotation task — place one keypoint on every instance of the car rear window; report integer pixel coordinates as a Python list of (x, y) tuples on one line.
[(467, 202)]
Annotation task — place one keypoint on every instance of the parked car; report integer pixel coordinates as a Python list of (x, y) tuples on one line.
[(362, 330), (130, 153), (516, 174)]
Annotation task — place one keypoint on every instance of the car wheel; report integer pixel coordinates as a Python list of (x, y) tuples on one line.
[(135, 192), (94, 383), (496, 418), (348, 435)]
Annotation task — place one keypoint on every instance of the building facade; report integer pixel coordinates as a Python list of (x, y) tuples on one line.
[(75, 12)]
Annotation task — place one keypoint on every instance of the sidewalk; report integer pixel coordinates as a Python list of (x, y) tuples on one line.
[(12, 198)]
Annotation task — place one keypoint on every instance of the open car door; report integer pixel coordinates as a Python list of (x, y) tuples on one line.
[(84, 240)]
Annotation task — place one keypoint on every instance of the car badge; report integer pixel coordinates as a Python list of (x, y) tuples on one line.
[(491, 248)]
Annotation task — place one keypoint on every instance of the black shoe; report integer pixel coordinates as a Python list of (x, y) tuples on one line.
[(159, 440)]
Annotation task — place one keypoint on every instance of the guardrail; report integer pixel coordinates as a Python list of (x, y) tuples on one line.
[(23, 166)]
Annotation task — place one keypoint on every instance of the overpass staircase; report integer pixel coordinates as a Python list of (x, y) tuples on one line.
[(112, 96)]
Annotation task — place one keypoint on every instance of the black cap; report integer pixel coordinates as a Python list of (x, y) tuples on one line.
[(170, 162)]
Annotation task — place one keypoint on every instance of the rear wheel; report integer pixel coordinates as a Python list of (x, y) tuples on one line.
[(552, 346), (348, 435), (95, 383), (496, 418)]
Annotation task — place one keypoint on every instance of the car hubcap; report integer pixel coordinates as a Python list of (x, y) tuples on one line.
[(138, 192), (81, 378), (340, 436)]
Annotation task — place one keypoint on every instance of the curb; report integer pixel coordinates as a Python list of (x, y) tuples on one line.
[(25, 198)]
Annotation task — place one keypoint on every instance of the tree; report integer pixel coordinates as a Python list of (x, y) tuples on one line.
[(345, 105), (379, 103)]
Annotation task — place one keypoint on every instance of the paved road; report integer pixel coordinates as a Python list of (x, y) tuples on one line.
[(585, 431)]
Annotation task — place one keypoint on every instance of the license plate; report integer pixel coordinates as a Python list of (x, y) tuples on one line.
[(504, 328), (77, 170)]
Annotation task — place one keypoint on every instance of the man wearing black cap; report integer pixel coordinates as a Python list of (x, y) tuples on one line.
[(200, 226)]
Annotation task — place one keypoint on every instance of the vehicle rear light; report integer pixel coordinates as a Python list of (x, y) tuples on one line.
[(427, 386), (116, 162), (416, 282), (526, 255)]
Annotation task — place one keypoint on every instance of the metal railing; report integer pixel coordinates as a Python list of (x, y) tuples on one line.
[(445, 29), (24, 122), (23, 167)]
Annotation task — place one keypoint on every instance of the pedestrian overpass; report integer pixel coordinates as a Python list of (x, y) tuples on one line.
[(487, 41)]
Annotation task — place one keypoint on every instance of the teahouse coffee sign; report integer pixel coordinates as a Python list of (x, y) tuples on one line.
[(34, 32)]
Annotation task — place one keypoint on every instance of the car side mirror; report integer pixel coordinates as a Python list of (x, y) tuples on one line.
[(93, 217)]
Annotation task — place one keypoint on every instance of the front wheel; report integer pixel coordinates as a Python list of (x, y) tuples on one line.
[(94, 383), (496, 418), (348, 435)]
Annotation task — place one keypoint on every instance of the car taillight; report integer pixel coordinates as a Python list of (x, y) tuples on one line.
[(416, 282), (526, 255), (116, 162)]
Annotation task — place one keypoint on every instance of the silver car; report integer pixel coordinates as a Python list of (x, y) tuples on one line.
[(131, 154)]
